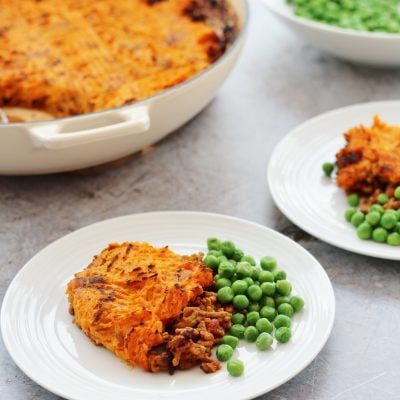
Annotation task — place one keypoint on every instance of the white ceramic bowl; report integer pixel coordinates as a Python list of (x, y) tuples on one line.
[(370, 48), (67, 144)]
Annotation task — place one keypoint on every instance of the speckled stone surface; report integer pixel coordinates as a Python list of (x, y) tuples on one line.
[(218, 163)]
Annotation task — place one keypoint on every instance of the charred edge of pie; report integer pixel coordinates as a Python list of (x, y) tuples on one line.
[(217, 14), (221, 17)]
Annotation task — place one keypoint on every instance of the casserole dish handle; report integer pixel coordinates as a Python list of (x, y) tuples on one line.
[(130, 122)]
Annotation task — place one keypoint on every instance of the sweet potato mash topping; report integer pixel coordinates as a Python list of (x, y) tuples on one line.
[(134, 297), (79, 56), (370, 161)]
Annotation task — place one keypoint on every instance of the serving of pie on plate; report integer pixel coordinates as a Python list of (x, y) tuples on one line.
[(76, 57), (149, 306)]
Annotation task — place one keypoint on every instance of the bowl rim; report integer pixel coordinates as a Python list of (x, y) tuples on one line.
[(270, 4), (235, 46)]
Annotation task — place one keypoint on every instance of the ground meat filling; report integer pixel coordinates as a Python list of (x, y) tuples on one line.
[(190, 338)]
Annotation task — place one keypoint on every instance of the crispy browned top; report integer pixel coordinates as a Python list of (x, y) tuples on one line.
[(78, 56), (126, 296), (370, 160)]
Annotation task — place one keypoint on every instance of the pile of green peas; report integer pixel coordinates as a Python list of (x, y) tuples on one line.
[(362, 15), (261, 298), (378, 224)]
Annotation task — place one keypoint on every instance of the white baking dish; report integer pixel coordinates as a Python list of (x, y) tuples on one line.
[(67, 144)]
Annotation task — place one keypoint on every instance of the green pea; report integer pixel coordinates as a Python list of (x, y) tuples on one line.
[(252, 317), (297, 303), (255, 274), (267, 301), (349, 213), (254, 292), (376, 207), (357, 218), (283, 287), (226, 270), (240, 301), (235, 368), (281, 299), (379, 235), (224, 352), (327, 168), (254, 307), (393, 239), (225, 295), (211, 261), (264, 341), (222, 259), (394, 213), (238, 318), (383, 198), (279, 275), (239, 287), (213, 244), (268, 263), (237, 330), (237, 255), (251, 333), (388, 220), (249, 259), (249, 281), (216, 277), (268, 288), (233, 262), (353, 200), (230, 341), (282, 320), (266, 276), (397, 193), (228, 248), (222, 282), (397, 227), (215, 253), (268, 312), (373, 218), (285, 309), (364, 231), (244, 269), (283, 334), (264, 325)]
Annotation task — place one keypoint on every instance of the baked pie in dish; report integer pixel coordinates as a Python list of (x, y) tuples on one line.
[(76, 57)]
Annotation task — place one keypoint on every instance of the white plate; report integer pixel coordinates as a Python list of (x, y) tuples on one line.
[(310, 200), (40, 337)]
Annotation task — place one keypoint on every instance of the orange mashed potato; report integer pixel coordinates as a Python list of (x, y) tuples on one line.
[(130, 292), (370, 161)]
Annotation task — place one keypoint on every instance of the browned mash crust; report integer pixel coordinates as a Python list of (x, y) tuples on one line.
[(131, 292), (370, 161), (78, 56)]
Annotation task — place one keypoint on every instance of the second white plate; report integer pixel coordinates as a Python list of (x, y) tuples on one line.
[(310, 200)]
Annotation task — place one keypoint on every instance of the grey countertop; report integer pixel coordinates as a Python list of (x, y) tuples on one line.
[(217, 163)]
